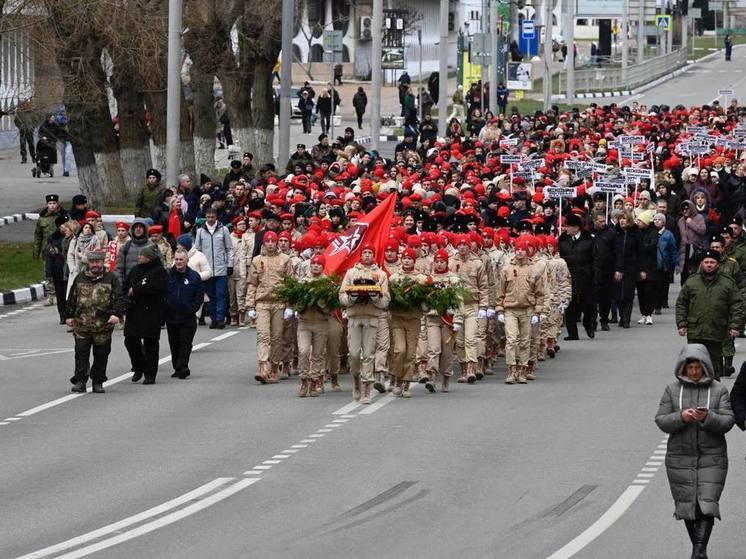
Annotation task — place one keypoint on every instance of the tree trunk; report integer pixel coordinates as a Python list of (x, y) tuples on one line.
[(237, 83), (134, 149), (205, 124), (186, 157), (106, 151), (85, 160), (264, 114), (156, 103)]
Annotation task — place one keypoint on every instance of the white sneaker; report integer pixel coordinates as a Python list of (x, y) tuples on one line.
[(649, 320), (642, 320)]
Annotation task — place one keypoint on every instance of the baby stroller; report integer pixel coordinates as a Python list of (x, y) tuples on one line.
[(46, 157)]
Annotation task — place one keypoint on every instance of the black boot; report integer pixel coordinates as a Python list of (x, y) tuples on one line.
[(728, 368), (78, 387), (98, 388), (572, 332), (614, 317), (702, 531), (136, 376), (690, 529)]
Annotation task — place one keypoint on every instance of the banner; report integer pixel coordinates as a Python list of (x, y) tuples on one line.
[(343, 253)]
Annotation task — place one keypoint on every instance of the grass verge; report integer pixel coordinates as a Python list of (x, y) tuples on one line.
[(17, 268)]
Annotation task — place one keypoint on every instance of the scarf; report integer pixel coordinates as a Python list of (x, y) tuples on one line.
[(174, 223)]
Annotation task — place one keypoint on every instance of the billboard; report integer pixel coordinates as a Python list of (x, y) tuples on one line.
[(519, 75), (392, 58), (599, 8)]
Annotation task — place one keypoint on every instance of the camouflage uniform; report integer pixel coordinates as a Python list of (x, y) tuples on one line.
[(92, 300)]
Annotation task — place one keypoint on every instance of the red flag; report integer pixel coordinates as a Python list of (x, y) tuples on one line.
[(343, 253)]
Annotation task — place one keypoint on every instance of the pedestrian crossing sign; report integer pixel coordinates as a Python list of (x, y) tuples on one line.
[(663, 22)]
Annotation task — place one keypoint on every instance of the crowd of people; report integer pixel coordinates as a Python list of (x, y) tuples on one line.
[(534, 220)]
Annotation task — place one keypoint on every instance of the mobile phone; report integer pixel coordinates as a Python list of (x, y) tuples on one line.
[(701, 409)]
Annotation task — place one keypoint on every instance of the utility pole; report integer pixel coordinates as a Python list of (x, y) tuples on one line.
[(375, 63), (548, 54), (493, 56), (625, 41), (641, 32), (443, 69), (286, 76), (419, 44), (173, 93), (569, 24)]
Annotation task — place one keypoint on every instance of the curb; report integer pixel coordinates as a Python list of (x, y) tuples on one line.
[(593, 95), (34, 292), (15, 218)]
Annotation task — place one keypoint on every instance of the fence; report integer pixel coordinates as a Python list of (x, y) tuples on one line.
[(617, 79)]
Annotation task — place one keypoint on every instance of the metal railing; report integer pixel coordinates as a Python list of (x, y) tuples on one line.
[(617, 79)]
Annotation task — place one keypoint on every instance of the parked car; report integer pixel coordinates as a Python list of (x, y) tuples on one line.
[(294, 110)]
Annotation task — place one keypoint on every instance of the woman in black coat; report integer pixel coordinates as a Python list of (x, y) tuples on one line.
[(625, 268), (146, 308), (647, 262)]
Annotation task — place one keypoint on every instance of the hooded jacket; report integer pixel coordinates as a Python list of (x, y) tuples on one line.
[(697, 456), (709, 307), (130, 252)]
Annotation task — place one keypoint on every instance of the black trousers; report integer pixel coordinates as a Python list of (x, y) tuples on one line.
[(359, 119), (662, 283), (27, 137), (143, 354), (646, 296), (325, 121), (101, 346), (60, 293), (605, 295), (581, 304), (715, 349), (180, 338)]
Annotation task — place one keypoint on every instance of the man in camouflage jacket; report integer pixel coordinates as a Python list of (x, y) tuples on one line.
[(94, 307)]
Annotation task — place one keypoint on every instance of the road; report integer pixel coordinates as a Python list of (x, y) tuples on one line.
[(699, 83), (217, 466)]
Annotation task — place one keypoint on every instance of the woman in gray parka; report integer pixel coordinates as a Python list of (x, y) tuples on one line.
[(695, 411)]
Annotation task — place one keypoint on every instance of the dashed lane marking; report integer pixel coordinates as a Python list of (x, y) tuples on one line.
[(615, 512), (225, 336)]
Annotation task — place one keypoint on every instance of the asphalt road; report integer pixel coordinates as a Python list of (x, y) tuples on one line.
[(485, 471), (699, 83)]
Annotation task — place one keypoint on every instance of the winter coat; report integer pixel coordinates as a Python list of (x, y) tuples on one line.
[(44, 228), (146, 307), (693, 236), (184, 297), (147, 199), (360, 101), (708, 308), (605, 241), (199, 264), (129, 253), (324, 105), (217, 248), (697, 455), (668, 254), (626, 252), (54, 262), (647, 259), (266, 274), (738, 398), (580, 255)]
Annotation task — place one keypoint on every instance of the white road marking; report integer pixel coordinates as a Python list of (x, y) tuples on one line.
[(316, 436), (4, 423), (653, 463), (12, 419), (372, 408), (659, 452), (224, 336), (333, 425), (298, 446), (291, 450), (120, 378), (616, 510), (340, 421), (643, 476), (262, 468), (272, 462), (649, 469), (308, 440), (347, 408), (324, 431), (641, 481), (253, 473), (349, 416), (281, 456), (163, 521), (130, 520)]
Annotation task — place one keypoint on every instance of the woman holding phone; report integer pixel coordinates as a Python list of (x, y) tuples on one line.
[(695, 411)]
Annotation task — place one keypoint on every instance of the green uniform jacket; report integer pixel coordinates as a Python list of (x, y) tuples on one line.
[(146, 199), (92, 300), (697, 456), (44, 228), (708, 308)]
